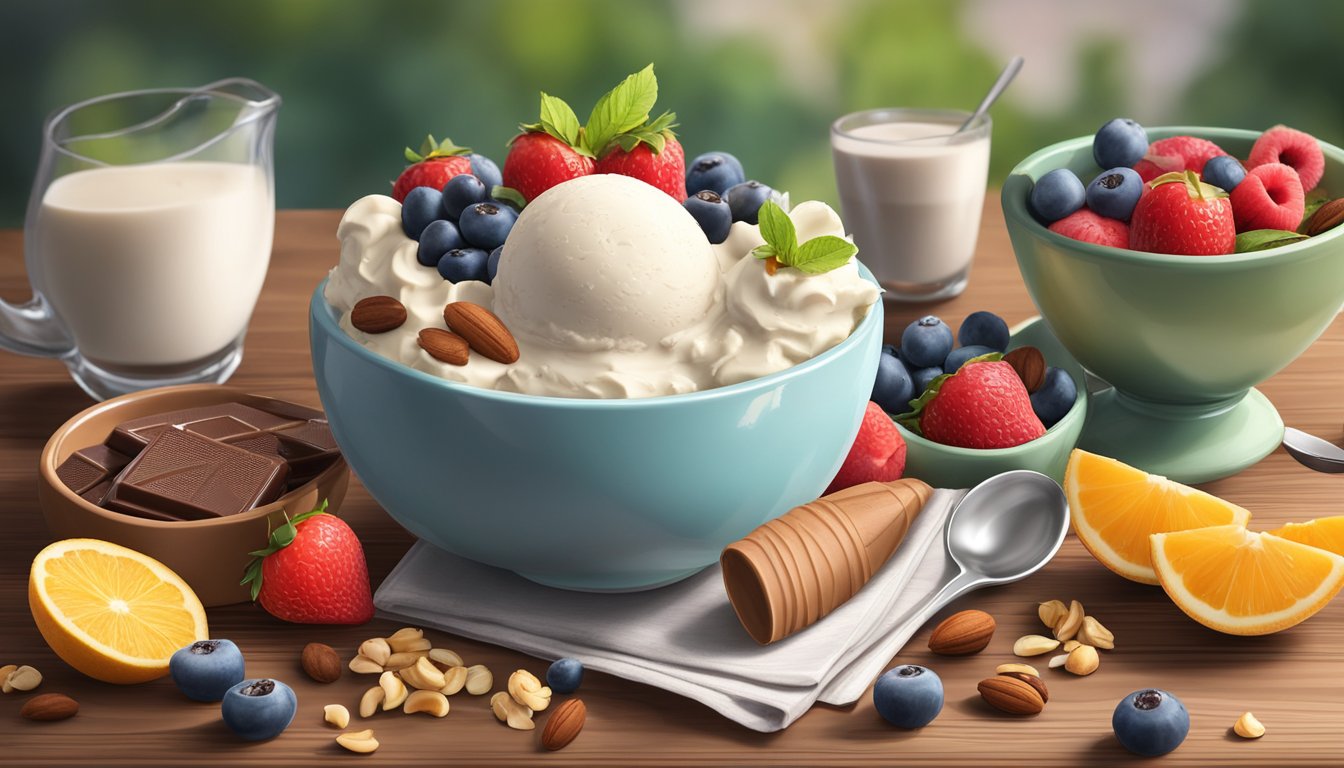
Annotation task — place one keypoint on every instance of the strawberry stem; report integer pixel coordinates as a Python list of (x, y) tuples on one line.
[(276, 540)]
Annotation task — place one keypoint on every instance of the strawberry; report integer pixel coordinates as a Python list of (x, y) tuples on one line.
[(651, 154), (878, 453), (1181, 214), (432, 166), (1087, 226), (538, 161), (312, 571), (1290, 146), (983, 405), (1176, 153)]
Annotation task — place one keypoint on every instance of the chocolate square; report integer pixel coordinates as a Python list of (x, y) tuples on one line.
[(89, 467), (308, 448), (213, 421)]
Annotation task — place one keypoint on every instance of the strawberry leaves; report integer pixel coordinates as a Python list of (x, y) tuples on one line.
[(814, 257), (431, 148), (558, 120), (619, 120), (277, 540), (910, 419)]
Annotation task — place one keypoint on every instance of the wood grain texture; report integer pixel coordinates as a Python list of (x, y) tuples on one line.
[(1291, 681)]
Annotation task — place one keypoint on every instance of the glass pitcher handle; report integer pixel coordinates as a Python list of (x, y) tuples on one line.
[(32, 329)]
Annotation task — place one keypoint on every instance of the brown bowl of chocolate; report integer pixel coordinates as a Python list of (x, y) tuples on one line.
[(193, 476)]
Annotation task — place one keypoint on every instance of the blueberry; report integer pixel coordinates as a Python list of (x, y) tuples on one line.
[(492, 264), (564, 675), (461, 191), (421, 206), (485, 225), (1055, 396), (1119, 142), (1224, 172), (746, 199), (922, 376), (439, 237), (985, 329), (206, 669), (485, 169), (259, 709), (1150, 722), (958, 357), (712, 213), (893, 389), (1114, 193), (465, 264), (715, 171), (908, 696), (1056, 195), (926, 342)]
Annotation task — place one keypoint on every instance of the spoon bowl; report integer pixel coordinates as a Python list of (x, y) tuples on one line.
[(1008, 527), (1313, 452)]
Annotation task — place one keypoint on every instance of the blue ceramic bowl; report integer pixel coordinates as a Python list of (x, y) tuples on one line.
[(590, 494)]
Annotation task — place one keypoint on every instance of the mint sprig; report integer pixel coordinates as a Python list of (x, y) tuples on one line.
[(621, 109), (276, 540), (816, 256), (1264, 239)]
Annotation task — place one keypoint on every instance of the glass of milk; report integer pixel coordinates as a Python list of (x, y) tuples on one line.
[(911, 191), (148, 236)]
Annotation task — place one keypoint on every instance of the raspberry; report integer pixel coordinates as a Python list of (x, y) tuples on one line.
[(1282, 144), (1270, 197), (1087, 226), (1177, 153)]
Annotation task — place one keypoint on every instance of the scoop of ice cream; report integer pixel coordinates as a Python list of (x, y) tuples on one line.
[(605, 262)]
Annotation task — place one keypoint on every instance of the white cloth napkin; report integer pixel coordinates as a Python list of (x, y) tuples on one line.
[(685, 637)]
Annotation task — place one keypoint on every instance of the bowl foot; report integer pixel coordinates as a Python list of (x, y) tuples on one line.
[(662, 579), (1188, 444)]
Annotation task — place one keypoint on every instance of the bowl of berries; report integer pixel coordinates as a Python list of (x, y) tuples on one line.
[(1182, 267)]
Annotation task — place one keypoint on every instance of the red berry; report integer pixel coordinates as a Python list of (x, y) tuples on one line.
[(1182, 215), (1270, 197), (665, 170), (878, 453), (1089, 227), (319, 577), (538, 161), (434, 172), (1176, 153), (1289, 146), (982, 405)]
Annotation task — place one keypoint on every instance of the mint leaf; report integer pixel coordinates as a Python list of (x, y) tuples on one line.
[(823, 254), (1314, 204), (763, 251), (777, 229), (1264, 239), (622, 108), (509, 195), (559, 120)]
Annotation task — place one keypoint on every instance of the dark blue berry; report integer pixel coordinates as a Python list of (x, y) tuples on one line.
[(926, 342), (712, 213), (985, 329), (958, 357), (485, 169), (439, 237), (1224, 172), (206, 669), (1055, 397), (893, 389), (461, 264), (908, 696), (1114, 193), (461, 191), (715, 171), (1120, 142), (1056, 195), (565, 675), (746, 199), (259, 709), (421, 206), (922, 376), (486, 225), (1150, 722), (492, 264)]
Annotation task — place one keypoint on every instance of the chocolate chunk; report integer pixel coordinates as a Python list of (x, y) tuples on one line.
[(89, 467), (98, 493), (308, 448), (217, 422), (183, 476)]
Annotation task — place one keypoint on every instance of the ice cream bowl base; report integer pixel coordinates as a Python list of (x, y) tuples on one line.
[(596, 495)]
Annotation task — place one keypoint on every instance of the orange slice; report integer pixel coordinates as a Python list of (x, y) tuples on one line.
[(1115, 508), (1245, 583), (1323, 533), (110, 612)]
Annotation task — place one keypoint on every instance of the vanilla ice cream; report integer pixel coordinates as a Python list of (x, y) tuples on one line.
[(612, 291)]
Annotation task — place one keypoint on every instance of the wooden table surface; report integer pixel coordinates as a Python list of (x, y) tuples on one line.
[(1291, 680)]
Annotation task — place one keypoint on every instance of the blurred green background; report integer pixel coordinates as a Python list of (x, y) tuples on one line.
[(760, 78)]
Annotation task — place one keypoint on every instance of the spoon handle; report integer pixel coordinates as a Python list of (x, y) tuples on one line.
[(960, 584), (1005, 77)]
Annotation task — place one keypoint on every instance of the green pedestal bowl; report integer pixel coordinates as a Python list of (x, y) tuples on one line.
[(1181, 340)]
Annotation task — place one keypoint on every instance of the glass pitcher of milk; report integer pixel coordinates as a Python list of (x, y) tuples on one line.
[(148, 236)]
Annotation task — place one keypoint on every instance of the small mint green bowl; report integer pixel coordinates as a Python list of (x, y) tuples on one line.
[(1181, 340)]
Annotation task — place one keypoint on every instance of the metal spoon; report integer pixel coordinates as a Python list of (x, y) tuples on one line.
[(1003, 530), (995, 90), (1313, 452)]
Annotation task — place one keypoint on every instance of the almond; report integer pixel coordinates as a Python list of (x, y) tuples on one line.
[(378, 314), (321, 662), (1008, 694), (484, 332), (1034, 681), (444, 346), (1030, 366), (962, 634), (1326, 217), (564, 724), (49, 706)]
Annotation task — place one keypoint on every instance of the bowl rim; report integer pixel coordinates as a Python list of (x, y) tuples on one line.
[(325, 316), (47, 464), (1015, 211)]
